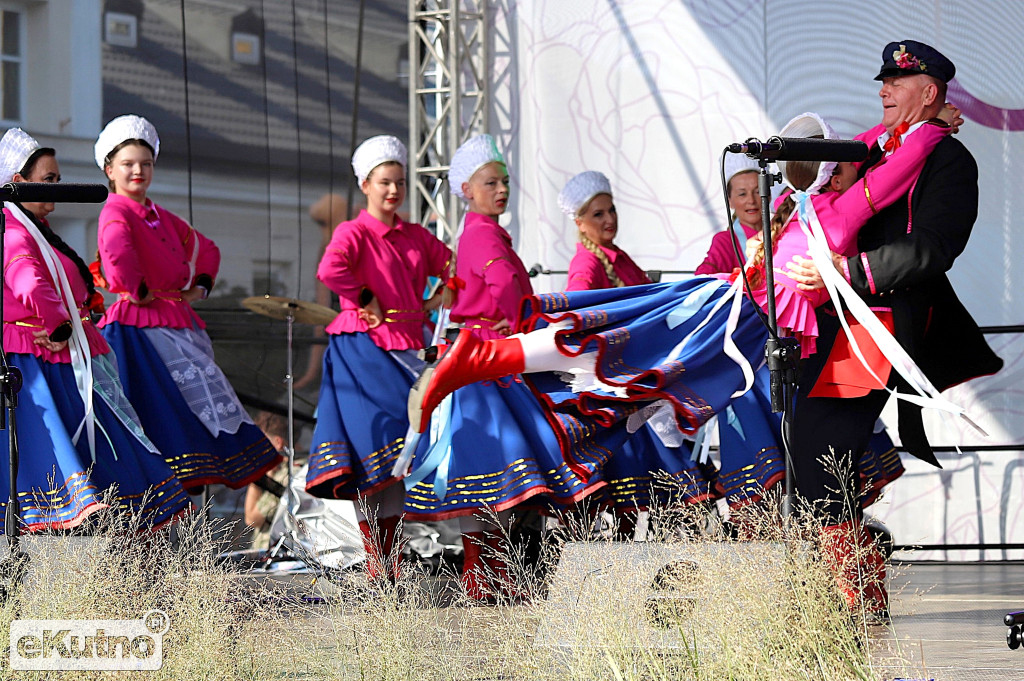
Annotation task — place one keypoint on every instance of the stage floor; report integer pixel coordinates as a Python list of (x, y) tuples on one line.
[(948, 620)]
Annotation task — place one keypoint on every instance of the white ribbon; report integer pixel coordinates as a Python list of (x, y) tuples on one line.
[(78, 343), (843, 295), (735, 296)]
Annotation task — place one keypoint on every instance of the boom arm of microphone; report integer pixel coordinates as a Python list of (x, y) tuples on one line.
[(50, 192), (802, 149)]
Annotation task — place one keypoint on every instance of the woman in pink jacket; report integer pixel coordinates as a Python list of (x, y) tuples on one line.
[(490, 448), (80, 438), (644, 469), (378, 265), (158, 265)]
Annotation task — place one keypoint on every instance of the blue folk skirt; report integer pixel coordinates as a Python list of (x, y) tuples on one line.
[(636, 332), (752, 459), (59, 484), (362, 419), (498, 451), (195, 455)]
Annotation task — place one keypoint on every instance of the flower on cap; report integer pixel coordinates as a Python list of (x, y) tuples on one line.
[(473, 155), (581, 189), (375, 151), (121, 129), (905, 60), (15, 148)]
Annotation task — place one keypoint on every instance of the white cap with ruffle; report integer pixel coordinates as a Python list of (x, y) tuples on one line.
[(15, 148), (810, 125), (473, 155), (578, 191), (127, 127), (738, 163), (376, 150)]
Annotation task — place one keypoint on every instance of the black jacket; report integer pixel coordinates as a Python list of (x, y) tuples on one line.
[(909, 247)]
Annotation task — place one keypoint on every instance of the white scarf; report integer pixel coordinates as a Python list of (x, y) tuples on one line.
[(78, 343)]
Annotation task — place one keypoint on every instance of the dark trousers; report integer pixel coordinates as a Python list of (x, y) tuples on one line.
[(828, 435)]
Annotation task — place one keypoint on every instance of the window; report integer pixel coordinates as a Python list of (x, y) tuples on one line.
[(121, 29), (11, 60), (245, 48)]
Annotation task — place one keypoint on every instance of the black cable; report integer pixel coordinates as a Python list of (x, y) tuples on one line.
[(298, 148), (188, 113), (330, 117), (355, 106), (266, 128), (741, 257)]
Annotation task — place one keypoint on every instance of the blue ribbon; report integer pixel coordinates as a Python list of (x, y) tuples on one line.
[(692, 304), (734, 421), (438, 457)]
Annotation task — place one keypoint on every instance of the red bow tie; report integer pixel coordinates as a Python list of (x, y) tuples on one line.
[(895, 142)]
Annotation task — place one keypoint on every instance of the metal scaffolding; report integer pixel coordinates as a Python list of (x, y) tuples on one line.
[(448, 101)]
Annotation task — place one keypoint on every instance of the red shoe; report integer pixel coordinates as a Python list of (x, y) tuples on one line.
[(469, 360), (473, 579)]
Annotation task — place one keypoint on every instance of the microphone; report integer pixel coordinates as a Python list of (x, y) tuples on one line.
[(535, 270), (52, 192), (801, 149)]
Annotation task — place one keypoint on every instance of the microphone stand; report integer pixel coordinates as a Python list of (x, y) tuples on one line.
[(782, 354), (13, 567)]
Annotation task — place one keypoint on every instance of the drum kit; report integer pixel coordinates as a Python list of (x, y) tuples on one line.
[(308, 533), (329, 535)]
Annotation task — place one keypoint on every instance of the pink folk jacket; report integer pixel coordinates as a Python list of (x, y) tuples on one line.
[(393, 263), (146, 247), (31, 300), (495, 278)]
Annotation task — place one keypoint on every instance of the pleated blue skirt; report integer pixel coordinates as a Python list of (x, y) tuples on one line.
[(195, 455), (59, 485), (503, 452), (752, 459), (635, 332), (362, 419), (750, 444)]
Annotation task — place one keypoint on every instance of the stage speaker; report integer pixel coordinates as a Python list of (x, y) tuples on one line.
[(48, 557), (673, 597)]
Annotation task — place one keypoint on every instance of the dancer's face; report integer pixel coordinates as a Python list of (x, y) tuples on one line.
[(385, 190), (45, 169), (909, 98), (487, 191), (131, 171), (599, 221), (745, 200)]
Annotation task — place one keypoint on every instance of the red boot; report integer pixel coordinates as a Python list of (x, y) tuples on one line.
[(468, 360), (859, 567), (379, 547), (495, 557), (473, 579)]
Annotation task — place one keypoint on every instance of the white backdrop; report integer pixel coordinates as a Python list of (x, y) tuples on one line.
[(650, 91)]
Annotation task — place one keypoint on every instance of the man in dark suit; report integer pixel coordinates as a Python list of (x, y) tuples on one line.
[(905, 251)]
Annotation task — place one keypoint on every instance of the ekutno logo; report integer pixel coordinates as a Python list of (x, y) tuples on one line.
[(90, 645)]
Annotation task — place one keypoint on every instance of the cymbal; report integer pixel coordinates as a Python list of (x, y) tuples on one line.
[(278, 307)]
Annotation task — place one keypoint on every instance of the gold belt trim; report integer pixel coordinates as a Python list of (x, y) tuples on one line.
[(39, 326)]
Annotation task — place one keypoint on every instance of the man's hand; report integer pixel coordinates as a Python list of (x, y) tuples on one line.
[(503, 327), (805, 273)]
